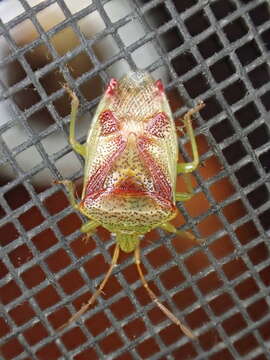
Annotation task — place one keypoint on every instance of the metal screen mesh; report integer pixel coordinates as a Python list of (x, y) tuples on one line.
[(215, 51)]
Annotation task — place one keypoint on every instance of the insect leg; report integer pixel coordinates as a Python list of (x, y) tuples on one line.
[(85, 307), (190, 166), (74, 110), (89, 228), (172, 229), (185, 196), (152, 295), (70, 190)]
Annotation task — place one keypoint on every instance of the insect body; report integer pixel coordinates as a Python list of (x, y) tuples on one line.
[(131, 166)]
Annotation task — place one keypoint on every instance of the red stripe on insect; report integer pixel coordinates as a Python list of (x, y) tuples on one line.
[(109, 123), (96, 181), (111, 88), (158, 125), (161, 184)]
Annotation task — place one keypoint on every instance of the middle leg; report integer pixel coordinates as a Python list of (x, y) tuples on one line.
[(172, 229), (185, 196), (90, 226)]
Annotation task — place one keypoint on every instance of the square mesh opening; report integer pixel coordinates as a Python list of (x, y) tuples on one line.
[(216, 51)]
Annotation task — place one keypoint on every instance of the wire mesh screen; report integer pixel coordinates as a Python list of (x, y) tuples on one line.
[(215, 51)]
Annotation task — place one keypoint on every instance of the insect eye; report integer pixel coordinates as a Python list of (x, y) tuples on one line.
[(108, 122), (158, 125)]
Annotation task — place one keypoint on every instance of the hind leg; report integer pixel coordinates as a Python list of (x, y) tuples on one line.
[(93, 298), (154, 298)]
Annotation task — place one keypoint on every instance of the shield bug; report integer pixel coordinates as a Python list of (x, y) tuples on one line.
[(131, 167)]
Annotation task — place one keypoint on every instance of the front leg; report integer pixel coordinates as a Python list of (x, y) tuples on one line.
[(81, 149), (183, 168)]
